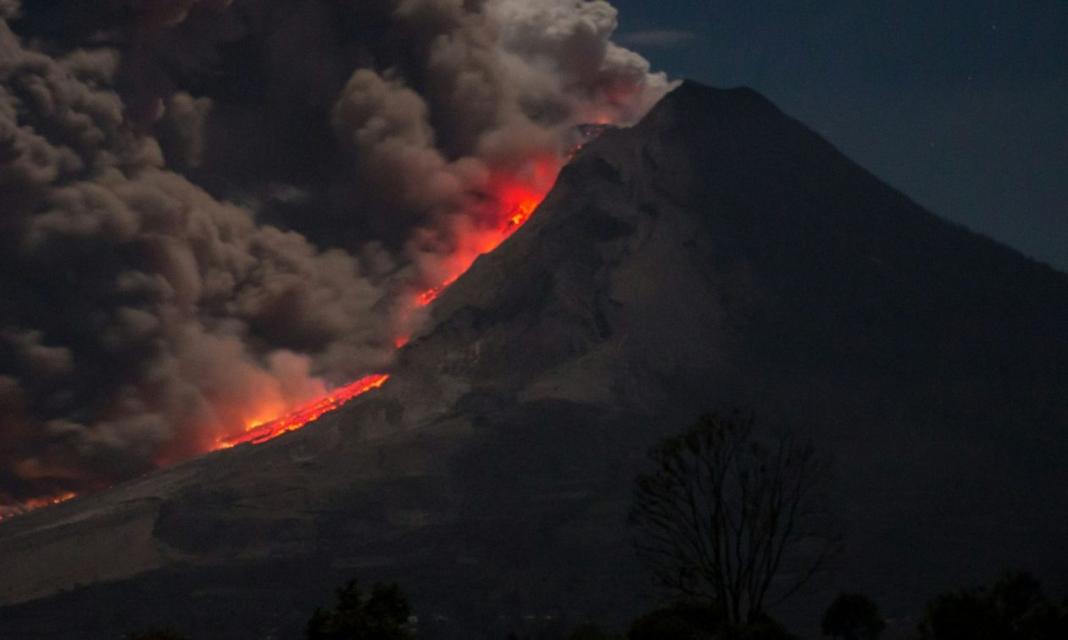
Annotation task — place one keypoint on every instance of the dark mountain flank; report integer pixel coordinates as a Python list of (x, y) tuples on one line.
[(718, 254)]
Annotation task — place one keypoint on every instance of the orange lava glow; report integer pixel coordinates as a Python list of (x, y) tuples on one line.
[(514, 200), (263, 432), (426, 297), (39, 503)]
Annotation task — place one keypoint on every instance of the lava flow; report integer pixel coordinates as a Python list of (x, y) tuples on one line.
[(38, 503), (514, 201), (260, 433)]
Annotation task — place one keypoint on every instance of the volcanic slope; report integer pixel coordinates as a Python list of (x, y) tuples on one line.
[(717, 254)]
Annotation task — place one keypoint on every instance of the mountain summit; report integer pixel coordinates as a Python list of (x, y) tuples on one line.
[(718, 254)]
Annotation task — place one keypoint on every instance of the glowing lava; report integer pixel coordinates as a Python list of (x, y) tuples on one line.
[(426, 297), (515, 202), (38, 503), (260, 433), (512, 201)]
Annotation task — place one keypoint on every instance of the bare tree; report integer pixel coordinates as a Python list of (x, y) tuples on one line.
[(731, 521)]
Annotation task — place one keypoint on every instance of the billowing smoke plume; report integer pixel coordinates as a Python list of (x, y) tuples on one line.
[(213, 210)]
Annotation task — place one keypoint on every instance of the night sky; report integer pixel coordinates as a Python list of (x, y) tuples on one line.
[(960, 104)]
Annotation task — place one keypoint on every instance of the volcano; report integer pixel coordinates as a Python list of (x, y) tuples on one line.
[(718, 254)]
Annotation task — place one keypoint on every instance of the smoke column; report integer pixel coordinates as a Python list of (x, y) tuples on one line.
[(214, 211)]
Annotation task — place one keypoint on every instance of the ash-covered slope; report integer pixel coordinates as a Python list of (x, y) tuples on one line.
[(717, 254)]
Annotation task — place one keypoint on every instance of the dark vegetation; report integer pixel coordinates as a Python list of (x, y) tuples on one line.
[(382, 615), (1015, 608), (853, 616), (730, 525), (731, 522)]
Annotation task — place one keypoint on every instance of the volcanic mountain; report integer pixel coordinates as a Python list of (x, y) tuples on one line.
[(718, 254)]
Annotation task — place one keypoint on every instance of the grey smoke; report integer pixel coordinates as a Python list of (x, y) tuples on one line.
[(10, 9), (183, 252)]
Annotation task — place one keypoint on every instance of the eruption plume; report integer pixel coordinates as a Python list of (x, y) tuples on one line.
[(219, 214)]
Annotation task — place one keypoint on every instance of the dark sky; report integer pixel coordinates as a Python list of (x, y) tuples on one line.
[(961, 104)]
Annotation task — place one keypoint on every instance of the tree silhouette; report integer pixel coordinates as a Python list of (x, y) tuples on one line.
[(1013, 609), (731, 521), (382, 616), (853, 616), (678, 622)]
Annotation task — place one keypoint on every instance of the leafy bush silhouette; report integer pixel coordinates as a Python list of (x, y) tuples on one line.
[(678, 622), (1013, 609), (382, 616), (853, 616)]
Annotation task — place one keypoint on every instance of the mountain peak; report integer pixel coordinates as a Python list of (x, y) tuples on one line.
[(698, 98)]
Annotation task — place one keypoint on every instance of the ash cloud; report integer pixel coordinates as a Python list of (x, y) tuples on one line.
[(212, 208)]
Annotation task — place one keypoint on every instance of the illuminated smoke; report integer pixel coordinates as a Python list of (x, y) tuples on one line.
[(259, 431), (185, 260)]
